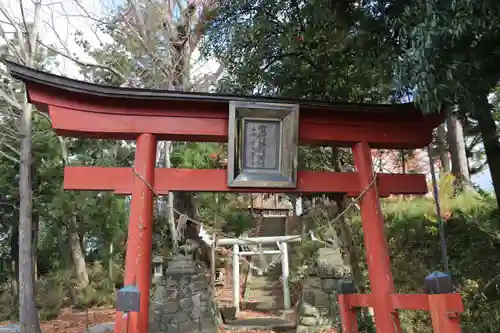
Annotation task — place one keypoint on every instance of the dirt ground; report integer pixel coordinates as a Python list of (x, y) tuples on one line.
[(78, 321)]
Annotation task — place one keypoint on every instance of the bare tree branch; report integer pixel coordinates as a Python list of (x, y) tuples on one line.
[(14, 150), (19, 35), (83, 63), (25, 25), (15, 160), (13, 103), (207, 80), (7, 132), (9, 204), (45, 116)]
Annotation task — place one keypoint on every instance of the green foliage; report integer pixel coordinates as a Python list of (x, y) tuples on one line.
[(450, 50), (300, 49), (473, 252), (236, 223), (225, 212), (101, 291), (194, 155), (101, 220), (365, 324), (52, 293), (473, 245), (55, 290)]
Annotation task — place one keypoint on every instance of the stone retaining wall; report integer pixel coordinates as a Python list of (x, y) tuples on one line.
[(182, 301), (317, 310)]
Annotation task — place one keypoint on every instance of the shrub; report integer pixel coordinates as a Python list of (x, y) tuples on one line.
[(57, 290), (473, 246)]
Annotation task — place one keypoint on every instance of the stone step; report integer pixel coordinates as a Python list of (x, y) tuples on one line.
[(262, 324), (262, 291)]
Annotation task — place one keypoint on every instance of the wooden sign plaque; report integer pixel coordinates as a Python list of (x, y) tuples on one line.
[(262, 148)]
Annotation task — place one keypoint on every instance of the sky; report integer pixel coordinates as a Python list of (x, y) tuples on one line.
[(60, 21), (483, 180)]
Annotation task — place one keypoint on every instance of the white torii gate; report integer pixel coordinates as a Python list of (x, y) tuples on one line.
[(283, 250)]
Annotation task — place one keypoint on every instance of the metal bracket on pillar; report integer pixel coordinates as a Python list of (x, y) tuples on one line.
[(444, 314), (348, 316), (438, 283), (346, 287), (128, 300)]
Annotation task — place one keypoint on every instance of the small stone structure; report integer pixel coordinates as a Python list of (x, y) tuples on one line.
[(157, 269), (317, 310), (102, 328), (10, 328), (182, 301)]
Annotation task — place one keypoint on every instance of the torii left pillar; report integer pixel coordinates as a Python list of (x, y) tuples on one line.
[(140, 233)]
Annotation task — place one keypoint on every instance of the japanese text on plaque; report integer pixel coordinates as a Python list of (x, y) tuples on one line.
[(262, 142)]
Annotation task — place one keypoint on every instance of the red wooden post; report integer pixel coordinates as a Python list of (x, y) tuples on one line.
[(443, 321), (348, 316), (377, 255), (140, 229)]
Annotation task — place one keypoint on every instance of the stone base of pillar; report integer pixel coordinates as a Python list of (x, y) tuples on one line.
[(183, 300), (312, 316), (317, 310)]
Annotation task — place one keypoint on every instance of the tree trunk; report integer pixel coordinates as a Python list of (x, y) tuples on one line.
[(111, 261), (77, 255), (344, 232), (28, 314), (36, 222), (185, 202), (14, 283), (170, 200), (488, 128), (14, 272), (456, 142), (66, 255), (75, 241), (442, 149), (81, 238)]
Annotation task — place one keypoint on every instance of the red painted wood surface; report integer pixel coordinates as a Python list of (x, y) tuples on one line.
[(360, 301), (377, 254), (410, 302), (444, 319), (84, 115), (443, 308), (336, 129), (139, 236), (421, 302), (348, 316), (418, 302), (120, 181)]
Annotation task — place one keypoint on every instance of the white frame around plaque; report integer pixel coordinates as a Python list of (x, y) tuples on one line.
[(285, 174)]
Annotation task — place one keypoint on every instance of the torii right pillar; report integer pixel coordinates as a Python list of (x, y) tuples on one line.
[(377, 253)]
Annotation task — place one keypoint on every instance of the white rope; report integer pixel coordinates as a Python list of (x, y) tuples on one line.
[(204, 236)]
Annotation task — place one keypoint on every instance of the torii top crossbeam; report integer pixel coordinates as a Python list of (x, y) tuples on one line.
[(83, 109)]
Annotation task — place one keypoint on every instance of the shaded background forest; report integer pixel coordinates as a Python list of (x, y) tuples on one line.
[(358, 51)]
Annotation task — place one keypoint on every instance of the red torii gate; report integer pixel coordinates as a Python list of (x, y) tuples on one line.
[(81, 109)]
